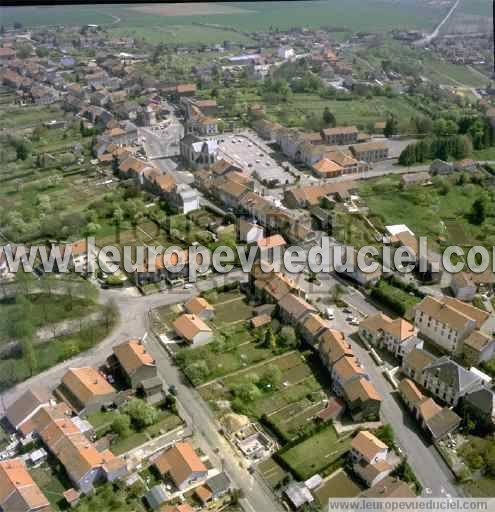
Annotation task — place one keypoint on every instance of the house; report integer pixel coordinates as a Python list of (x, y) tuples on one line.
[(18, 490), (340, 135), (326, 168), (437, 420), (274, 286), (271, 247), (481, 404), (368, 448), (297, 495), (397, 336), (219, 485), (86, 390), (477, 348), (260, 321), (293, 309), (311, 195), (312, 328), (372, 474), (362, 399), (250, 232), (185, 198), (370, 151), (415, 362), (192, 329), (6, 55), (183, 507), (266, 129), (26, 406), (447, 321), (182, 90), (352, 270), (83, 463), (333, 410), (390, 488), (345, 370), (136, 364), (157, 496), (463, 286), (414, 179), (285, 53), (440, 167), (200, 307), (447, 380), (79, 260), (333, 346), (466, 165), (182, 465)]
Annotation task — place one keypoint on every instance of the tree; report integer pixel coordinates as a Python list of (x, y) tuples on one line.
[(329, 118), (287, 337), (391, 127), (22, 150), (110, 313), (121, 425), (479, 210), (270, 340), (271, 378), (29, 354), (118, 217), (141, 413), (23, 51), (408, 155)]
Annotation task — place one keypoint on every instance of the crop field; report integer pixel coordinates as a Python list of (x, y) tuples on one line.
[(272, 472), (243, 16)]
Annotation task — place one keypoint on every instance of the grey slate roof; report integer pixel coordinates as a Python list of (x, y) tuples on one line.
[(218, 484), (156, 496), (482, 399), (452, 374)]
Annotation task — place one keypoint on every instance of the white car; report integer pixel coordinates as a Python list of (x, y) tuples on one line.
[(188, 286), (330, 314)]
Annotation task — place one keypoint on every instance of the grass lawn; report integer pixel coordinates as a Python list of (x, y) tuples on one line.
[(397, 295), (424, 210), (340, 485), (51, 484), (232, 311), (272, 472), (122, 445), (362, 111), (316, 453), (484, 154), (482, 488)]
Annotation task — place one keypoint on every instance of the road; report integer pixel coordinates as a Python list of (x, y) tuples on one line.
[(426, 40), (195, 412), (132, 324)]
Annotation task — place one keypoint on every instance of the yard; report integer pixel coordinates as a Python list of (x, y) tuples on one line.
[(339, 485), (316, 454), (53, 482), (272, 472)]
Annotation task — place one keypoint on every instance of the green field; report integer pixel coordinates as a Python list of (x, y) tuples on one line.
[(246, 16), (272, 472), (363, 112), (340, 485), (315, 454), (424, 210)]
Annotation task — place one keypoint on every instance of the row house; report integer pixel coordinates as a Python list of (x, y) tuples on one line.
[(267, 129), (369, 457), (396, 336), (83, 463), (370, 151), (293, 309), (448, 322), (436, 420), (18, 491)]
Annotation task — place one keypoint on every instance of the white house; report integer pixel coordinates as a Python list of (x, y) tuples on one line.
[(367, 447), (250, 231), (193, 329), (286, 53)]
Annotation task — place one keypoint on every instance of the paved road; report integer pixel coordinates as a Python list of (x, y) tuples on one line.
[(133, 324), (194, 410)]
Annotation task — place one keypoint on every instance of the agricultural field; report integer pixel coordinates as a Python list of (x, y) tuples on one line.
[(244, 16), (316, 454), (426, 210)]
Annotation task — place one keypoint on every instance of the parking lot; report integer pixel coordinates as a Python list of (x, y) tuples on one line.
[(254, 159)]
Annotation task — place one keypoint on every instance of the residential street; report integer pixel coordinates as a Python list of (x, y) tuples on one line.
[(196, 413)]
